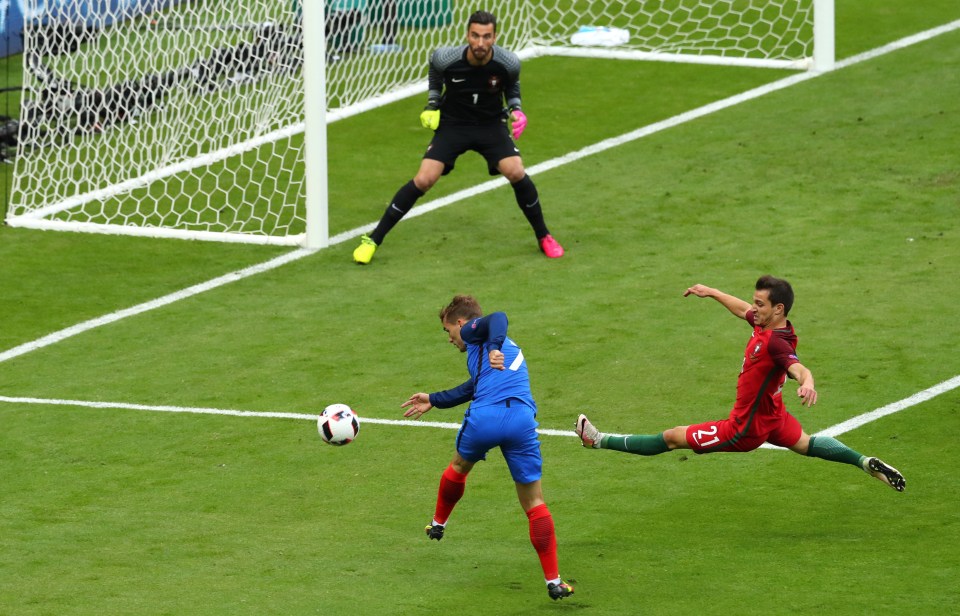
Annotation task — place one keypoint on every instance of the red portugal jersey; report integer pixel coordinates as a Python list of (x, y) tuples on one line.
[(765, 362)]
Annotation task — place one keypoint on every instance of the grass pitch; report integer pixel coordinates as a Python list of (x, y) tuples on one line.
[(847, 185)]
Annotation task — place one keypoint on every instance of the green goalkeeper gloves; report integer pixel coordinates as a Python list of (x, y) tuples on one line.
[(430, 118)]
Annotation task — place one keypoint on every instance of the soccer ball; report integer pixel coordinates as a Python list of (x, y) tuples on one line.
[(338, 424)]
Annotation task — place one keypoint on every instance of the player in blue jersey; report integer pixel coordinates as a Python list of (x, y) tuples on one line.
[(501, 414), (469, 86)]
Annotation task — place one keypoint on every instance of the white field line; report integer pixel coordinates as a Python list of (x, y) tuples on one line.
[(236, 413), (841, 428), (855, 422), (470, 192), (883, 411), (113, 317)]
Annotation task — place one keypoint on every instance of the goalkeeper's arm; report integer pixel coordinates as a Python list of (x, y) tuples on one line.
[(434, 83), (430, 116)]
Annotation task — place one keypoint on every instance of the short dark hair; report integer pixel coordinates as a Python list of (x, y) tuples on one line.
[(779, 290), (461, 307), (483, 18)]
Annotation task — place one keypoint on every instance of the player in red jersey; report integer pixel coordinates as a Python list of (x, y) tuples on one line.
[(759, 415)]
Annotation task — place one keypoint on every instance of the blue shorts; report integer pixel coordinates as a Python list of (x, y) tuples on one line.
[(512, 428)]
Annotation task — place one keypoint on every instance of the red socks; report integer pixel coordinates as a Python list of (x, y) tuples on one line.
[(542, 534), (544, 540), (451, 489)]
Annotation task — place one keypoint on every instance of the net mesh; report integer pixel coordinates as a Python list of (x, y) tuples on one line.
[(188, 116)]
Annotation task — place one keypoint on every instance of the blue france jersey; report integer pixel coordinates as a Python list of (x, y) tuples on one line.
[(490, 385), (486, 385)]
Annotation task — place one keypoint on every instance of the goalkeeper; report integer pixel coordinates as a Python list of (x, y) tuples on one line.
[(468, 87)]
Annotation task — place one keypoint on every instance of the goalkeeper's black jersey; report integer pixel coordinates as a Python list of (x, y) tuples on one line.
[(472, 95)]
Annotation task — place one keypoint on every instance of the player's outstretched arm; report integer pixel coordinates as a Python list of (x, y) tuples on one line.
[(418, 403), (806, 391), (735, 305), (430, 116)]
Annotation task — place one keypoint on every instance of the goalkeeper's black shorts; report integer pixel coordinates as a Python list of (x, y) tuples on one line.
[(492, 141)]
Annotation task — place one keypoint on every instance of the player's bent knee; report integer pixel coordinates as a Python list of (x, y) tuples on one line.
[(461, 464), (514, 176), (428, 174), (512, 169), (802, 446), (425, 182), (676, 438), (530, 494)]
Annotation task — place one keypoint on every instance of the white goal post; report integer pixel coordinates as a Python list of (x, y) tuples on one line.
[(203, 119)]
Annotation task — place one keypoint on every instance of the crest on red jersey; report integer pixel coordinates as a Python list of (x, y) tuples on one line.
[(755, 354)]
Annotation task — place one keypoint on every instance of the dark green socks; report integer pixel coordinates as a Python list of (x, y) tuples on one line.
[(640, 444), (829, 448)]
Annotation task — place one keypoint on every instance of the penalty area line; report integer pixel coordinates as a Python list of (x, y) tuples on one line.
[(836, 430), (662, 125), (883, 411), (159, 302), (199, 410), (860, 420)]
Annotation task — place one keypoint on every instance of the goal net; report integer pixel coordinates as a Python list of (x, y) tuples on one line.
[(186, 118)]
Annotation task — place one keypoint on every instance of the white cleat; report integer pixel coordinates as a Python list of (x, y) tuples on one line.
[(589, 435)]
